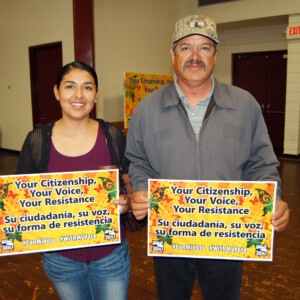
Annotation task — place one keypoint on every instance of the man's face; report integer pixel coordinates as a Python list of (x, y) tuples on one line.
[(194, 60)]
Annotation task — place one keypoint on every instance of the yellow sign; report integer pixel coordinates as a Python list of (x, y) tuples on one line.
[(58, 211), (139, 85), (228, 220)]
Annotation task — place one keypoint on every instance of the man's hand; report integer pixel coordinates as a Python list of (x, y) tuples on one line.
[(140, 204), (280, 218)]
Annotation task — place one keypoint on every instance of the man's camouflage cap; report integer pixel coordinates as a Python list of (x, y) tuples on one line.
[(195, 25)]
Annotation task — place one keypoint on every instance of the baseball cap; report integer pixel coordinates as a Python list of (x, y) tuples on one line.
[(195, 24)]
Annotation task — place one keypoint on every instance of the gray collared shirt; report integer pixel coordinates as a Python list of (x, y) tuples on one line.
[(195, 115)]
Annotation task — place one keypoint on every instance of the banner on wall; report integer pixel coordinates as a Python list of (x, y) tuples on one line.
[(58, 211), (137, 86), (220, 220)]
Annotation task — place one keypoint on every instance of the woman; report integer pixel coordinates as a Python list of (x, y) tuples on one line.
[(78, 143)]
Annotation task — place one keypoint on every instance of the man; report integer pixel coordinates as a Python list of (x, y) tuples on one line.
[(197, 128)]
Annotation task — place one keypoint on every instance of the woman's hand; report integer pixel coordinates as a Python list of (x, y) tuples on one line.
[(124, 202)]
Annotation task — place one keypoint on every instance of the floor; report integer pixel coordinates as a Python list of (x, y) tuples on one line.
[(22, 276)]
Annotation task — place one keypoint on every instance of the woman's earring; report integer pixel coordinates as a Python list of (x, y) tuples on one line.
[(95, 100)]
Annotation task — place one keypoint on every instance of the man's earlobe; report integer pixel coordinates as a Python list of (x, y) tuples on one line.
[(172, 55)]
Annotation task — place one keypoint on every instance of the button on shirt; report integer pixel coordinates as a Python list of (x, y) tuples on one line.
[(195, 115)]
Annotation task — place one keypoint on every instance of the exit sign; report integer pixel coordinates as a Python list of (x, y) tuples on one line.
[(293, 32)]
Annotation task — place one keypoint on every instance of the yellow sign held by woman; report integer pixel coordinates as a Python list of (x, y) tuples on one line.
[(58, 211)]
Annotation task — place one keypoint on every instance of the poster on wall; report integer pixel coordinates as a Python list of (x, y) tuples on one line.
[(217, 220), (137, 86), (58, 211)]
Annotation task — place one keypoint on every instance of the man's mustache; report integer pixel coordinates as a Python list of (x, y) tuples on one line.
[(197, 62)]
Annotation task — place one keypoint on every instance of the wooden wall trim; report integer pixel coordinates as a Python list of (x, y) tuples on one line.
[(83, 18), (83, 23)]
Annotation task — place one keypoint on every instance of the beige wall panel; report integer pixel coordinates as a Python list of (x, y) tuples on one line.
[(132, 36), (26, 23), (240, 10)]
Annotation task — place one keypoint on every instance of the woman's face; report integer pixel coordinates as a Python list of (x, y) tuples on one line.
[(77, 94)]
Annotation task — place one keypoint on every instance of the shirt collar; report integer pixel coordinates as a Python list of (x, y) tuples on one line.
[(183, 97), (221, 94)]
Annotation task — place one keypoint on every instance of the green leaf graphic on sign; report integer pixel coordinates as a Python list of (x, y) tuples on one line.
[(268, 208), (100, 228), (154, 206), (15, 236), (3, 194), (156, 197), (109, 186), (129, 88), (252, 242), (165, 238), (266, 199)]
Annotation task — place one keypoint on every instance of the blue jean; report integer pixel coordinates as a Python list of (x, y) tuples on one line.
[(105, 278), (219, 279)]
